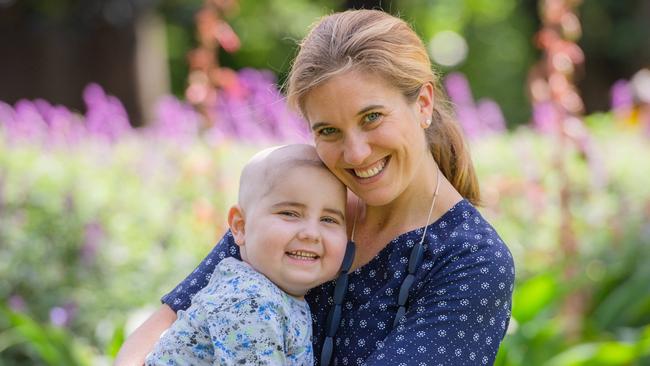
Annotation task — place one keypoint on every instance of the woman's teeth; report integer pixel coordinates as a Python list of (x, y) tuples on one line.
[(372, 171), (299, 254)]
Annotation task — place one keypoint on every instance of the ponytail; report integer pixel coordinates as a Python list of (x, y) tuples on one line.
[(451, 153)]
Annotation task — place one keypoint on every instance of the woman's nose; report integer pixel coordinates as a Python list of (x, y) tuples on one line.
[(356, 149)]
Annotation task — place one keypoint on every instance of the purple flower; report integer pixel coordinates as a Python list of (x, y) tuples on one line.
[(258, 114), (7, 118), (461, 97), (491, 116), (106, 117), (545, 117), (65, 127), (175, 120), (622, 97), (458, 89), (468, 118), (40, 122), (61, 316), (255, 111), (28, 124), (58, 316), (17, 303)]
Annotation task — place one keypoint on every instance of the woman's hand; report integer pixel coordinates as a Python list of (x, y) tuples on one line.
[(141, 341)]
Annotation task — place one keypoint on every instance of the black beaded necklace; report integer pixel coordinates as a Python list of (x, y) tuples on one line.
[(340, 288)]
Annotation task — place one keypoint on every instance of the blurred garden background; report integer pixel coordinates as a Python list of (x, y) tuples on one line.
[(124, 124)]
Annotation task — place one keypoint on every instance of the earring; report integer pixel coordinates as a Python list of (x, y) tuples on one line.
[(428, 122)]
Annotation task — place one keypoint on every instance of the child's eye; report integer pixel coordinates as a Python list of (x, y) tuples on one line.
[(372, 117), (329, 220), (327, 131), (288, 213)]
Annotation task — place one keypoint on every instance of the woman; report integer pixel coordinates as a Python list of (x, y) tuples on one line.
[(431, 281)]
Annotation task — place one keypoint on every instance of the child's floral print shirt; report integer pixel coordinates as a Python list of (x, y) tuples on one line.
[(239, 318)]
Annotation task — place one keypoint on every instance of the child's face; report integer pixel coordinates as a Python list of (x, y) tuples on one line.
[(295, 234)]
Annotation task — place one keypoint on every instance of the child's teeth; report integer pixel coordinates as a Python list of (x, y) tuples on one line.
[(300, 253)]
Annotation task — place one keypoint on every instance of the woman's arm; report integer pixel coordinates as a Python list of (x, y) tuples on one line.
[(136, 347), (141, 341)]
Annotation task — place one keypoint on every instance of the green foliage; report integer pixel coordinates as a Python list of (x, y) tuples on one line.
[(610, 198), (498, 34), (91, 235), (97, 233), (52, 345), (269, 32)]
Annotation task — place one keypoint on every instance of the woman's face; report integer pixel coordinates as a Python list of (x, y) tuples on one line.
[(369, 135)]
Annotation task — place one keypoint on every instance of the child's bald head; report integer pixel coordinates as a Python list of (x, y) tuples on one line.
[(265, 169)]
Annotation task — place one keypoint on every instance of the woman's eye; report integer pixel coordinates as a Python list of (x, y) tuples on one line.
[(372, 117), (327, 131)]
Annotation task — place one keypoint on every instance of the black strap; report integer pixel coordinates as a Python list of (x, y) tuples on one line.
[(334, 316), (417, 254)]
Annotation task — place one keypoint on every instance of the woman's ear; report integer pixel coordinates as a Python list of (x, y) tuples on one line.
[(425, 104), (237, 222)]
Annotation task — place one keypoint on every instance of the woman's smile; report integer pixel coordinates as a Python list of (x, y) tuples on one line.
[(372, 170)]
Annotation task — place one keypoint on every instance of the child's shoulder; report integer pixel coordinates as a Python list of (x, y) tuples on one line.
[(234, 281)]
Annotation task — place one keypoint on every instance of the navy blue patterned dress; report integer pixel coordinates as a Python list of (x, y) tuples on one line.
[(457, 311)]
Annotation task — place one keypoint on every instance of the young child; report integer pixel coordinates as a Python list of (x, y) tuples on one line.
[(289, 224)]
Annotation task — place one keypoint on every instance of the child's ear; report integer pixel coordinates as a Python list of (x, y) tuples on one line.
[(237, 222)]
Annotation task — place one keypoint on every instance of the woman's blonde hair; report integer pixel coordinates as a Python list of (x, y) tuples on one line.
[(377, 42)]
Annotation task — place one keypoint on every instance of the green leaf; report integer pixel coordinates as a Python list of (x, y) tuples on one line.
[(596, 354), (116, 342), (532, 296), (52, 345)]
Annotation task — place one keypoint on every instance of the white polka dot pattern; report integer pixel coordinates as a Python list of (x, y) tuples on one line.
[(457, 311)]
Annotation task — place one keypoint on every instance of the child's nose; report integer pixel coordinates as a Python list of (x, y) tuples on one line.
[(309, 232)]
